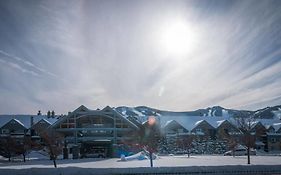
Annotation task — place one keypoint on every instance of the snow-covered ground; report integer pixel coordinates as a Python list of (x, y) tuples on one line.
[(163, 164), (162, 161)]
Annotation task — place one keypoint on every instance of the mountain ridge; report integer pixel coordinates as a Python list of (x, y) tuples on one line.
[(215, 111)]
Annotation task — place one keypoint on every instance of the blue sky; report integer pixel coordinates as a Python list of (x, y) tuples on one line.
[(174, 55)]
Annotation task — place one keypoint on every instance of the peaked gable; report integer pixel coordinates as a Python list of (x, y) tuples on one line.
[(13, 126), (203, 123), (258, 125), (14, 123), (122, 117), (270, 129), (222, 123), (81, 108), (106, 112), (277, 127), (174, 125), (42, 122), (203, 127), (226, 123), (107, 109)]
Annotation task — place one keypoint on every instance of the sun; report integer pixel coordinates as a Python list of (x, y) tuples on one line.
[(177, 38)]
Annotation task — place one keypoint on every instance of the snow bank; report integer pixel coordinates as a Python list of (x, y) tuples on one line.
[(139, 156), (39, 155)]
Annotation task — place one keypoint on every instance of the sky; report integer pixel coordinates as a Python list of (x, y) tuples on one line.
[(172, 55)]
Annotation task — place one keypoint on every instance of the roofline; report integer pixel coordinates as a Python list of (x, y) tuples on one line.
[(93, 112)]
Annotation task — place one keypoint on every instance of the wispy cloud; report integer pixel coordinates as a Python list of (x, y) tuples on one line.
[(107, 54), (26, 63), (18, 67)]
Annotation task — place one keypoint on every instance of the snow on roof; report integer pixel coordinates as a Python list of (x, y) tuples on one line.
[(276, 126), (45, 121), (25, 120), (125, 118), (137, 112), (198, 122), (220, 122), (173, 122), (254, 123), (19, 122), (268, 126), (168, 122), (189, 122)]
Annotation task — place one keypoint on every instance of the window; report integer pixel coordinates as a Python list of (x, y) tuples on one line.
[(226, 131), (71, 120), (98, 125), (180, 130), (125, 126), (5, 131)]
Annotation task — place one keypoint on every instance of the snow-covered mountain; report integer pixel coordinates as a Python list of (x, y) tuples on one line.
[(142, 112), (269, 113)]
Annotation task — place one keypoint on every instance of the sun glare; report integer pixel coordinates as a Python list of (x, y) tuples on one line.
[(151, 120), (178, 38)]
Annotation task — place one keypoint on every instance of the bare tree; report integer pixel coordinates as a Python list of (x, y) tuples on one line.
[(54, 144), (7, 145), (231, 140), (246, 125), (232, 144), (186, 143), (11, 146), (150, 136), (25, 146)]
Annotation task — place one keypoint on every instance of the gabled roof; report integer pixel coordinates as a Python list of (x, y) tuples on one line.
[(200, 122), (168, 122), (268, 127), (190, 122), (42, 120), (174, 123), (81, 108), (276, 126), (124, 118), (105, 110), (19, 122), (221, 122), (15, 121), (25, 119), (258, 123)]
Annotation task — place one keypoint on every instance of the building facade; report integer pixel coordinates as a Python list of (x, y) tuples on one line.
[(97, 131)]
